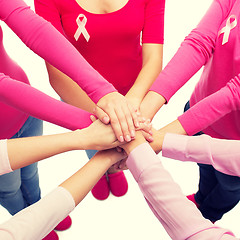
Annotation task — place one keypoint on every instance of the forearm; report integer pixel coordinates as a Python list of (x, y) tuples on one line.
[(151, 103), (222, 154), (83, 181), (40, 36), (37, 220), (180, 217), (158, 135), (48, 108), (68, 90), (152, 66), (25, 151)]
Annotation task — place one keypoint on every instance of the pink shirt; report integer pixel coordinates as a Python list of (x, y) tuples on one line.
[(179, 216), (113, 47), (223, 155), (43, 39), (215, 44)]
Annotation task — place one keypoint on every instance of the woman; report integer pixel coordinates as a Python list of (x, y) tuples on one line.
[(19, 191), (108, 35), (180, 217), (214, 43)]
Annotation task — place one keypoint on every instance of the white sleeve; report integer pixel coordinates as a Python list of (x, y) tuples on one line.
[(37, 220), (4, 161)]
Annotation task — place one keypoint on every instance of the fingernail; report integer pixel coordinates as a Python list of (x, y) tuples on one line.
[(128, 139), (105, 119), (137, 124), (150, 132), (121, 139), (132, 133), (150, 138)]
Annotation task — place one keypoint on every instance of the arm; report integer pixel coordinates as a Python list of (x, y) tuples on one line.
[(152, 65), (180, 217), (152, 51), (217, 105), (223, 155), (193, 53), (39, 219), (68, 90), (17, 153), (47, 42)]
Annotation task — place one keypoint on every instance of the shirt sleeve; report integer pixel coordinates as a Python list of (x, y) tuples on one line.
[(179, 216), (223, 155), (217, 105), (4, 160), (40, 36), (153, 30), (48, 9), (37, 220), (194, 51), (37, 104)]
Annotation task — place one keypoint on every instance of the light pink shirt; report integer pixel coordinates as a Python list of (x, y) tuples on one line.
[(223, 155), (215, 44), (179, 216), (41, 37)]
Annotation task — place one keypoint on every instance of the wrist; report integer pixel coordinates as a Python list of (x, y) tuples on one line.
[(139, 139)]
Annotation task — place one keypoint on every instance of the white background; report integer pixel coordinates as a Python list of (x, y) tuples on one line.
[(127, 217)]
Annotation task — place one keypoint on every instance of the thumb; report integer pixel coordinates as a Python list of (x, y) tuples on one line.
[(100, 114)]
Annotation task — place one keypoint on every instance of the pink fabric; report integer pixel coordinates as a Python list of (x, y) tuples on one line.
[(113, 48), (37, 220), (30, 100), (179, 216), (43, 39), (204, 46), (223, 155)]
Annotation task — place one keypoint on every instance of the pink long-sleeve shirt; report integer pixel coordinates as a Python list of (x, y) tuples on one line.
[(110, 42), (48, 43), (180, 217), (223, 155), (214, 43)]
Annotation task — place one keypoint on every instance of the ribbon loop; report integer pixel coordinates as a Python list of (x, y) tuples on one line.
[(229, 26), (81, 28)]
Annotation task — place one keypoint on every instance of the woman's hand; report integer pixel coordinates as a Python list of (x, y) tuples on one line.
[(115, 109), (98, 136)]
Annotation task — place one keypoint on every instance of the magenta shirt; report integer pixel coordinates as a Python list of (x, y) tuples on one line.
[(215, 44), (113, 47)]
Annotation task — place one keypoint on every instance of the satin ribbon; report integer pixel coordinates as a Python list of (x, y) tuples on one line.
[(229, 26), (81, 28)]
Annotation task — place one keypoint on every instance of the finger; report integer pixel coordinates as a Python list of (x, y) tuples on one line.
[(147, 136), (93, 118), (146, 127), (100, 114), (134, 115), (114, 120), (126, 123)]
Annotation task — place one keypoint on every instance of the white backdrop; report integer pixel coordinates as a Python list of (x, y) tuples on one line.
[(127, 217)]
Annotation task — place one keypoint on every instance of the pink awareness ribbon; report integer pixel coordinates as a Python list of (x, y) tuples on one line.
[(81, 28), (229, 26)]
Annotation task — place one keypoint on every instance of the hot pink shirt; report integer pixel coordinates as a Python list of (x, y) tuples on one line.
[(215, 44), (43, 39), (113, 47)]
